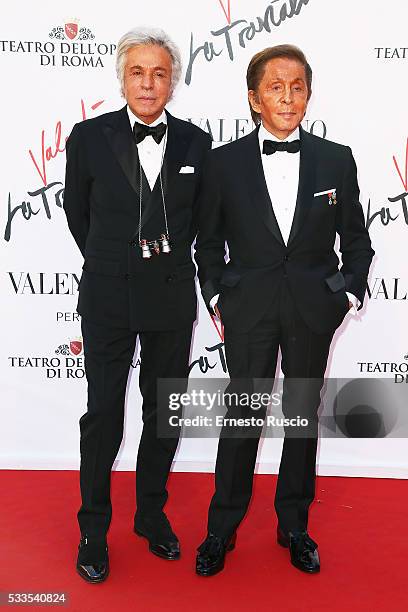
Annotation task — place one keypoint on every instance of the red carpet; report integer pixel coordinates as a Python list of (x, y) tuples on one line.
[(360, 525)]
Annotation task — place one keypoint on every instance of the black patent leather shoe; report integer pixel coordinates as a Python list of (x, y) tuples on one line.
[(163, 542), (303, 550), (211, 554), (93, 561)]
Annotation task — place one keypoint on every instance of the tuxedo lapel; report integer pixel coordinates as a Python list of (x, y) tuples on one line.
[(258, 188), (307, 172), (176, 151), (119, 135)]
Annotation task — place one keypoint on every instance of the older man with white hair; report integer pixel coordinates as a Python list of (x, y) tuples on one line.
[(132, 180)]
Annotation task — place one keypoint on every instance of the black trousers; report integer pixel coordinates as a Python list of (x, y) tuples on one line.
[(108, 355), (252, 356)]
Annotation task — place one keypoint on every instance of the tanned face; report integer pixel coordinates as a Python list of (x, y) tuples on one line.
[(147, 81), (281, 97)]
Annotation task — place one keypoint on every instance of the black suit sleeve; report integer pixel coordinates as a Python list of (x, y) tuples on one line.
[(76, 193), (210, 243), (355, 244), (206, 144)]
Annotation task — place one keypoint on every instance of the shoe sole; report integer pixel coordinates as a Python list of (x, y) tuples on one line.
[(306, 571), (89, 580), (174, 557), (285, 544), (205, 574)]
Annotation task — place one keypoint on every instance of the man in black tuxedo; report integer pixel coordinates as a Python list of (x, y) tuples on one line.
[(131, 183), (278, 197)]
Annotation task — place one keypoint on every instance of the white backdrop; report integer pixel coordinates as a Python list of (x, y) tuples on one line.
[(53, 75)]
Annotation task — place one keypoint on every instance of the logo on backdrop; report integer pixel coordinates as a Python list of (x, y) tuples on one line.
[(66, 361), (236, 34), (67, 316), (397, 209), (387, 289), (224, 130), (214, 355), (71, 45), (391, 52), (44, 283), (75, 347), (71, 31), (49, 195), (398, 370)]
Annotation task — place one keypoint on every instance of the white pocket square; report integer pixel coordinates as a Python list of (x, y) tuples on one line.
[(332, 191), (187, 170)]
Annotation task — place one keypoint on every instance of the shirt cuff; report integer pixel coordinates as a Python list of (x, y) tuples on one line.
[(355, 301), (214, 300)]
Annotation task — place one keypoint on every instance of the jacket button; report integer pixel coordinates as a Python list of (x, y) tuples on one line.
[(286, 258), (132, 243), (127, 276), (169, 279)]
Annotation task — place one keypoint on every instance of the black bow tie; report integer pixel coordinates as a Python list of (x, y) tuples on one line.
[(271, 146), (141, 131)]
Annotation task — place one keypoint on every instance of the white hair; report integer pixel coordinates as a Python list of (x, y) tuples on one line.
[(148, 36)]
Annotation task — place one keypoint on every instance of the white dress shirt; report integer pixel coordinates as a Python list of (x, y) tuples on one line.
[(150, 153), (281, 170)]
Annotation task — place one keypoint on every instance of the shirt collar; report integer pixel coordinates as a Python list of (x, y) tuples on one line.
[(265, 135), (133, 119)]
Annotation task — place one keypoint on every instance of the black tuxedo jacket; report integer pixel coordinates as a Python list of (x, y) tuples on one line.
[(235, 207), (101, 201)]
